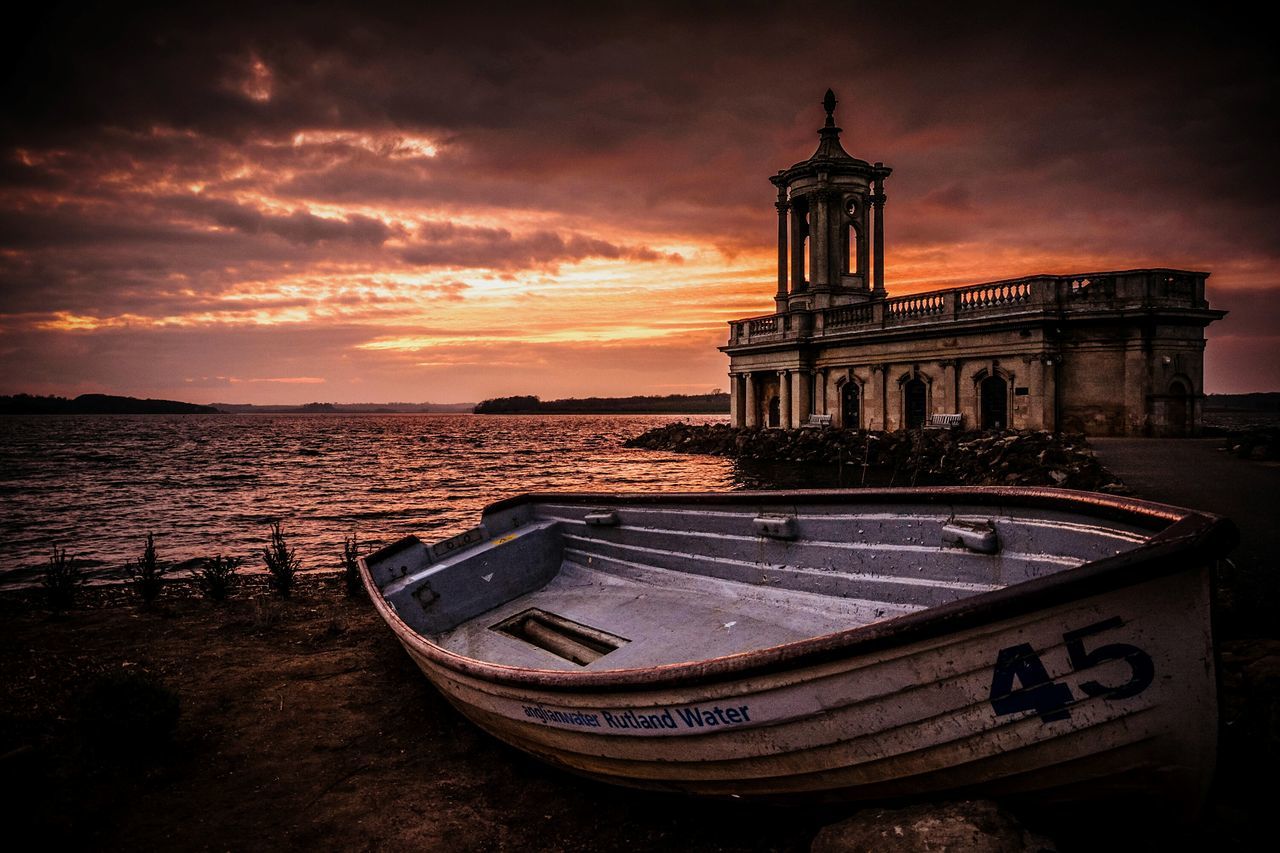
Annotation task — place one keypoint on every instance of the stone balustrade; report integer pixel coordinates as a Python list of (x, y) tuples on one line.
[(993, 295), (849, 315), (1163, 288), (916, 305)]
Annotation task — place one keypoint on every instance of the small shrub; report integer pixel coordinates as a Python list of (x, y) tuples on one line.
[(128, 716), (61, 578), (281, 562), (146, 572), (217, 576), (351, 571)]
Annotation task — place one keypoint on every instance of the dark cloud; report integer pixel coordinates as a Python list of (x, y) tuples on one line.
[(296, 227), (154, 160), (445, 244)]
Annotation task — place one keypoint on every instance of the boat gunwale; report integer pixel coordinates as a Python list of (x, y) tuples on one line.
[(1185, 539)]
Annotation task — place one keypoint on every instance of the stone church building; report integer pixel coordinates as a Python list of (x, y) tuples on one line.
[(1105, 353)]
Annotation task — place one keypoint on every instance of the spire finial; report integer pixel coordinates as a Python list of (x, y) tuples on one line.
[(829, 104)]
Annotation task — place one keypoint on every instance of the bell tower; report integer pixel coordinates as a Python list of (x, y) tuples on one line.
[(830, 226)]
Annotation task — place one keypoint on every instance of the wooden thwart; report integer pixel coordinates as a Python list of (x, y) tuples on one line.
[(571, 640)]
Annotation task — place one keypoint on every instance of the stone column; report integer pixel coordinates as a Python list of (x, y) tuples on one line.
[(880, 374), (948, 402), (803, 397), (735, 406), (784, 399), (821, 391), (818, 241), (797, 246), (780, 300), (1135, 417), (863, 247), (878, 199), (753, 411), (1049, 384)]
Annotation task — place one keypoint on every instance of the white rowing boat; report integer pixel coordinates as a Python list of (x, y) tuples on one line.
[(856, 644)]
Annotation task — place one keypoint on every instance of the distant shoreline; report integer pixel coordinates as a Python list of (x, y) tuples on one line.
[(715, 403), (98, 404)]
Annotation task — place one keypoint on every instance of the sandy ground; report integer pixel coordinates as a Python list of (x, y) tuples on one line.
[(303, 725)]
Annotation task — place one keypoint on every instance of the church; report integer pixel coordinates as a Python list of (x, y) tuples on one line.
[(1104, 353)]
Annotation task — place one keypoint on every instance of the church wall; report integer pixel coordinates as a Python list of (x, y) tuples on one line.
[(1092, 383), (1117, 381), (766, 391), (1177, 357), (948, 366), (1111, 378)]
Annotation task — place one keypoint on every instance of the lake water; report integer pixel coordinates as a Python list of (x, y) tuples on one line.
[(205, 485)]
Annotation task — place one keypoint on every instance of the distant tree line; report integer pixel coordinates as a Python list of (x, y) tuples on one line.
[(97, 404), (344, 408), (1256, 402), (684, 404)]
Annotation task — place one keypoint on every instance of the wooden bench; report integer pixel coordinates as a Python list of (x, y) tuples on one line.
[(817, 421), (943, 421)]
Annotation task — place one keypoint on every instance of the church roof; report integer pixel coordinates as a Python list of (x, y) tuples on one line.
[(829, 147), (830, 156)]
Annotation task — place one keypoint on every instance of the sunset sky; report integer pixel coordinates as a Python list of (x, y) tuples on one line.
[(395, 203)]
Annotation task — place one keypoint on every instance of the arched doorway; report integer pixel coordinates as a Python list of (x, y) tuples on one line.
[(915, 395), (775, 412), (1178, 408), (850, 406), (995, 403)]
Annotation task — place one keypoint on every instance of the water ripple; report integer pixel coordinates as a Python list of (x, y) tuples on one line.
[(204, 485)]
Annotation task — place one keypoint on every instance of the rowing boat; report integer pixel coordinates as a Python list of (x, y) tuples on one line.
[(864, 644)]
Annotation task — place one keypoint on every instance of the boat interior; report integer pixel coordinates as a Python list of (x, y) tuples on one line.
[(572, 586)]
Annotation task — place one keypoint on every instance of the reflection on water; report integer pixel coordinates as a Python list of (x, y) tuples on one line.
[(97, 484)]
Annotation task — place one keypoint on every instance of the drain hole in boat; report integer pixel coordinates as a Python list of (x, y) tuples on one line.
[(573, 641)]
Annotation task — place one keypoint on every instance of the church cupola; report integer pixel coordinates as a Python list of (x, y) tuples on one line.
[(830, 225)]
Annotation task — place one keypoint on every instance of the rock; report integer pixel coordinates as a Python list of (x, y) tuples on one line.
[(1024, 458), (972, 826)]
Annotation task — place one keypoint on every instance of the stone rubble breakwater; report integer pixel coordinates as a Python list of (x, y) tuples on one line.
[(1013, 458)]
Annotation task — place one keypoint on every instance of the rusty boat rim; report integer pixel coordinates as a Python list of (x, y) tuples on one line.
[(1185, 539)]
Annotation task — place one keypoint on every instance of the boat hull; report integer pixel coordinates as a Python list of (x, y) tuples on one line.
[(924, 718), (1090, 682)]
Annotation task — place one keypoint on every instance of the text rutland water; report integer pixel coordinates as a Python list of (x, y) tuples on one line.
[(695, 717)]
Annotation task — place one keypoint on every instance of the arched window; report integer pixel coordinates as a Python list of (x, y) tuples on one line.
[(804, 247), (851, 406), (915, 402), (851, 249), (995, 403)]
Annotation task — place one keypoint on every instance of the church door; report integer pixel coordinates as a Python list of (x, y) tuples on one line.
[(1179, 409), (995, 403), (914, 391), (850, 406), (775, 412)]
